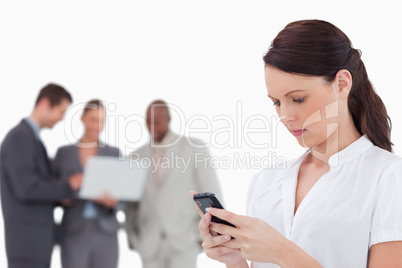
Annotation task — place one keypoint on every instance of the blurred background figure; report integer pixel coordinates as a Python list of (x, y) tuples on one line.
[(88, 235), (163, 226), (29, 192)]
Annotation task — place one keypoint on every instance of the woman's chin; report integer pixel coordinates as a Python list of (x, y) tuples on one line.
[(303, 142)]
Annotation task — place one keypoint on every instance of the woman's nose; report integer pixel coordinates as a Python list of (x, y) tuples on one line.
[(286, 115)]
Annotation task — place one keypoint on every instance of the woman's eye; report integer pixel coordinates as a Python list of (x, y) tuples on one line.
[(277, 103), (300, 100)]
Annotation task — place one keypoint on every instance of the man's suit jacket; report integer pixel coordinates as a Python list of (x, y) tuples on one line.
[(168, 211), (28, 195), (66, 163)]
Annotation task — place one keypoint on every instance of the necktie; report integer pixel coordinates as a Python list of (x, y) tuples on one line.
[(158, 154), (44, 153)]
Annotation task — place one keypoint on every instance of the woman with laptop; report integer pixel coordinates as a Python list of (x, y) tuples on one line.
[(88, 235)]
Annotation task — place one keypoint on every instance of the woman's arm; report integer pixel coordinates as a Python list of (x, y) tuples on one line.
[(386, 254), (258, 241)]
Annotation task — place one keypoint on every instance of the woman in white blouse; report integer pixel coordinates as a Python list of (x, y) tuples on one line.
[(340, 203)]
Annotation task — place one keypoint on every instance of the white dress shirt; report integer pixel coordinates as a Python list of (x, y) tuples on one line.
[(357, 204)]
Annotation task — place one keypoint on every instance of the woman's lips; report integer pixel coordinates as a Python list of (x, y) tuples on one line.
[(297, 132)]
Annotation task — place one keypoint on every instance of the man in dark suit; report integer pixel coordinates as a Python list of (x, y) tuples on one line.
[(28, 190)]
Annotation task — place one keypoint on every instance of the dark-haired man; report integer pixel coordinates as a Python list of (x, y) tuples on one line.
[(28, 190)]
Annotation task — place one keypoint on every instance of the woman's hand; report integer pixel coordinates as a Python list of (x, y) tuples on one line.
[(252, 239), (255, 239), (107, 201), (213, 243)]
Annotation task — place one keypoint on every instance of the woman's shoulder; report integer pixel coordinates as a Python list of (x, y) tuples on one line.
[(106, 149), (65, 149), (278, 168), (389, 164), (381, 158), (269, 176), (109, 147), (64, 154)]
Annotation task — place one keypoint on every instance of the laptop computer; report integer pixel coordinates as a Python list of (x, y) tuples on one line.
[(122, 179)]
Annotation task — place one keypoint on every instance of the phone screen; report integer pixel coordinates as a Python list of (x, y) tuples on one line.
[(207, 200)]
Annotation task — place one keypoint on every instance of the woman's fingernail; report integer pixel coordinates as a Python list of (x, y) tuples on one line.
[(208, 209)]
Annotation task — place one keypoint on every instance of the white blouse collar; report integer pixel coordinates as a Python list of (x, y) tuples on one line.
[(350, 152)]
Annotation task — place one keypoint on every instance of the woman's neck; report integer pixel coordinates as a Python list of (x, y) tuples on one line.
[(86, 139), (335, 143)]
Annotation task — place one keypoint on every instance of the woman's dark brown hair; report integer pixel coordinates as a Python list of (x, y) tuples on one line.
[(318, 48)]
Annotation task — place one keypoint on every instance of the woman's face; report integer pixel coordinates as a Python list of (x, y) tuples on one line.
[(307, 105), (94, 121)]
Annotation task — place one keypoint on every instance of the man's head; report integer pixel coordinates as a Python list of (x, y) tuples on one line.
[(51, 104), (158, 119)]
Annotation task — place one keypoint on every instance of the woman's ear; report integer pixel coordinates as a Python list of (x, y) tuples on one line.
[(343, 82)]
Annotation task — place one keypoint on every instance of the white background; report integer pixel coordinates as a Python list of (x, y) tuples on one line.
[(204, 57)]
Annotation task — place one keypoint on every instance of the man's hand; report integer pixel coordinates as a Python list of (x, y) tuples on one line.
[(75, 181), (66, 202)]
